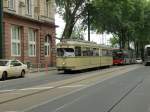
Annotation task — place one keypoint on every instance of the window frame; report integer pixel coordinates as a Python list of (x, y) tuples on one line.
[(11, 4), (47, 8), (47, 46), (32, 42), (16, 41), (29, 7)]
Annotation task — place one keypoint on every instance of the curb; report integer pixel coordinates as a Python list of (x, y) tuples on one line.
[(42, 70)]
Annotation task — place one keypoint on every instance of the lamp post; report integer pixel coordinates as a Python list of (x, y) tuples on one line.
[(1, 29)]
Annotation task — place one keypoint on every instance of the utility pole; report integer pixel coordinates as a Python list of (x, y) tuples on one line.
[(88, 6), (1, 29)]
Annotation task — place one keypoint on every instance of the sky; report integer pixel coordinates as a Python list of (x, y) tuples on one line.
[(98, 38)]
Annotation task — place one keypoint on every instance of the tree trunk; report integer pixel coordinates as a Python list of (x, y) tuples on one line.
[(120, 43), (68, 29), (122, 39)]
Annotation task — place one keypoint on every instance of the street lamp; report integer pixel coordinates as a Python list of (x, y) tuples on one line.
[(1, 29)]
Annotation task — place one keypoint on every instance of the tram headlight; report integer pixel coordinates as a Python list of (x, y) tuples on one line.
[(63, 63)]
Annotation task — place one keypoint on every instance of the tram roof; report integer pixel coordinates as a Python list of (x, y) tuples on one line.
[(81, 43), (147, 46)]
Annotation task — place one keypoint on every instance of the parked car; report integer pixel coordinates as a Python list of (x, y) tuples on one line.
[(11, 68), (139, 61)]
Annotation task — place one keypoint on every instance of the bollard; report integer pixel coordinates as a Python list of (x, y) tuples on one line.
[(46, 68), (38, 67)]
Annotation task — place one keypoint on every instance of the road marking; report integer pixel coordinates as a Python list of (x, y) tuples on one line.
[(4, 91), (73, 86), (39, 88), (26, 89)]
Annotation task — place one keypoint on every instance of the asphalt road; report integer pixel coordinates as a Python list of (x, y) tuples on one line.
[(35, 79), (123, 90), (125, 93)]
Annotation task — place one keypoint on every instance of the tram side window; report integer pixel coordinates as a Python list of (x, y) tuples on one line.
[(77, 51), (91, 52), (109, 52), (86, 52), (104, 52), (95, 52), (60, 52)]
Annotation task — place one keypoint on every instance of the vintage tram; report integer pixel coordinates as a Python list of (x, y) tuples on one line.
[(79, 55)]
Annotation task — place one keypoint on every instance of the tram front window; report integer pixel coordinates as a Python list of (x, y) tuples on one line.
[(118, 57), (67, 52)]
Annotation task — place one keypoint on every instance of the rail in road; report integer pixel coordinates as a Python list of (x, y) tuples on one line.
[(8, 97)]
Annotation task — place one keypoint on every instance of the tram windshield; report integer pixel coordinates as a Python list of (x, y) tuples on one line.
[(120, 54), (67, 52)]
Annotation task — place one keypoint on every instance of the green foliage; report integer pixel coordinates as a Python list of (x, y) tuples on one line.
[(126, 18), (78, 33), (114, 41), (71, 10)]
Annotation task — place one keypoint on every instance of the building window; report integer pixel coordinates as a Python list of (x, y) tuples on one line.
[(32, 42), (11, 4), (47, 8), (29, 7), (15, 40), (47, 46)]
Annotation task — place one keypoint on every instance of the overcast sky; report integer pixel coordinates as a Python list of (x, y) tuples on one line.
[(102, 39)]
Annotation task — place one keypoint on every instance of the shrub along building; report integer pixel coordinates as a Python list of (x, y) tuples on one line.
[(29, 31)]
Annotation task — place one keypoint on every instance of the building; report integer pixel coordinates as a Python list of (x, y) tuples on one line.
[(29, 31)]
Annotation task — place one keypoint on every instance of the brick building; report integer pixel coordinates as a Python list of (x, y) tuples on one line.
[(29, 31)]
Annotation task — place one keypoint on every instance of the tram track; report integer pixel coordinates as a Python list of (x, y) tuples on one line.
[(125, 95), (64, 83)]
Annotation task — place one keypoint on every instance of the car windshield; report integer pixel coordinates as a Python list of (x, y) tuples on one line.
[(3, 63)]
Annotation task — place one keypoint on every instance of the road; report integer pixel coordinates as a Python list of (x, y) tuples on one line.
[(35, 79), (123, 89)]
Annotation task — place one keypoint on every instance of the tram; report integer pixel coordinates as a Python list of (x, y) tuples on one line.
[(79, 55), (147, 55)]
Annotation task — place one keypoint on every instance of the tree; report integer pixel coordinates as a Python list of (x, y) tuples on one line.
[(119, 17), (71, 10), (78, 33), (114, 41)]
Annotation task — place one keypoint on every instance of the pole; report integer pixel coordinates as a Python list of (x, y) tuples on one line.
[(1, 29), (88, 20)]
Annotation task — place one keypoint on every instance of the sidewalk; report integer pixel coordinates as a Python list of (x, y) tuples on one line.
[(33, 70)]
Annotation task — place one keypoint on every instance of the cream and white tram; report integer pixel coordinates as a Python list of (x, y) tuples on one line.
[(78, 55)]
